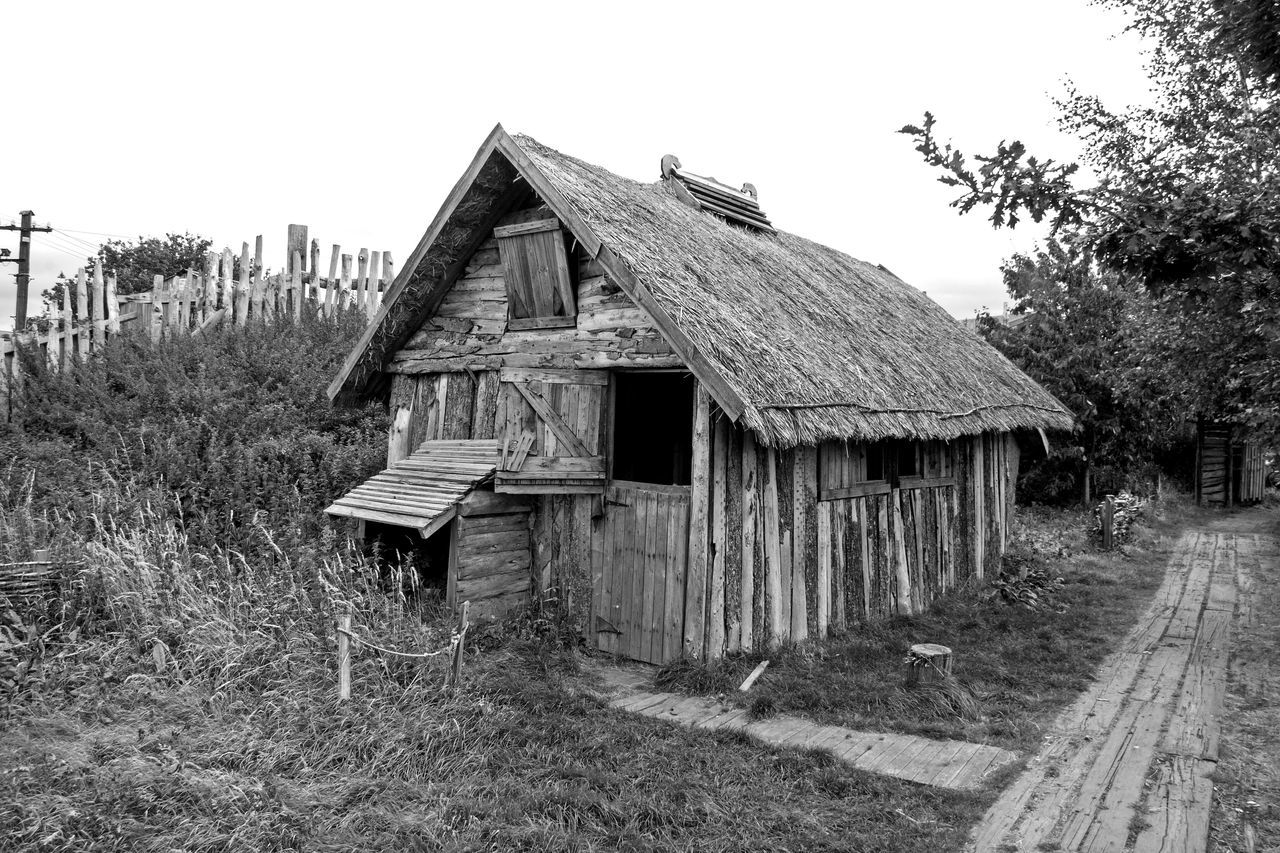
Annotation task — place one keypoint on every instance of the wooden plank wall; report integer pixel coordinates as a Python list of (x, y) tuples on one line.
[(1252, 473), (490, 562), (1213, 467), (795, 567), (469, 330)]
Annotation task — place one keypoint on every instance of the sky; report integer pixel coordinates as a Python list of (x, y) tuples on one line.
[(234, 119)]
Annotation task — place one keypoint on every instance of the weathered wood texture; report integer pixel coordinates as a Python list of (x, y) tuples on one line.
[(797, 566), (470, 330), (640, 586), (491, 559), (956, 765), (559, 415), (1229, 469), (1128, 764)]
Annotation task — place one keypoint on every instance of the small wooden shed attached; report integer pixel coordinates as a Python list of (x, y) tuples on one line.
[(1230, 469), (722, 436)]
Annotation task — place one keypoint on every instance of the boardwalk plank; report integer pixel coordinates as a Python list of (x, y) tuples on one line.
[(1112, 757)]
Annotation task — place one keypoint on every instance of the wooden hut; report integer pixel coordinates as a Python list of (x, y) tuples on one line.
[(696, 432), (1230, 469)]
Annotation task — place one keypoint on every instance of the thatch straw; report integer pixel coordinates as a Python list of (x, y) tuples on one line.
[(819, 345)]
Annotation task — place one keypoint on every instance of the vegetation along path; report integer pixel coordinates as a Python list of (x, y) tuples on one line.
[(1127, 766)]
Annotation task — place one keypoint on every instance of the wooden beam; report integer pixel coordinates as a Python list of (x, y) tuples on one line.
[(772, 547), (719, 543), (695, 594), (439, 522), (750, 526), (800, 480)]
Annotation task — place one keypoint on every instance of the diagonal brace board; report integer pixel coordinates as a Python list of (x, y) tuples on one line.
[(553, 420)]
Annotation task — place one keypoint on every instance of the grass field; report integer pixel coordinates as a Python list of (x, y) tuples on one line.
[(180, 692), (240, 745), (1013, 667)]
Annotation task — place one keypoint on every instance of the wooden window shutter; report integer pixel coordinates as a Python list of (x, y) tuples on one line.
[(535, 263), (550, 431)]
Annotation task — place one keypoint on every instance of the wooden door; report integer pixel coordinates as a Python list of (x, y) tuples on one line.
[(639, 606)]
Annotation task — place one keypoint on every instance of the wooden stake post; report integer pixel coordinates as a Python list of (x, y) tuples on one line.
[(1108, 522), (455, 673), (344, 657)]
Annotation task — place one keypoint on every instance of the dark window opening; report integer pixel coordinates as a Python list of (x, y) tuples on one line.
[(419, 567), (908, 459), (653, 428), (891, 460), (875, 462)]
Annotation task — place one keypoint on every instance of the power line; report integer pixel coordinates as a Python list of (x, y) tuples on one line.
[(92, 247), (97, 233)]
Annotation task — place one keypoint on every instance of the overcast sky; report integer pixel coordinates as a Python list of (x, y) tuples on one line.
[(233, 119)]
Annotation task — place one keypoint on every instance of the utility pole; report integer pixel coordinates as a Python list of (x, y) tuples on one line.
[(24, 264)]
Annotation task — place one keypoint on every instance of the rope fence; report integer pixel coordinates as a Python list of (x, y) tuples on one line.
[(345, 638)]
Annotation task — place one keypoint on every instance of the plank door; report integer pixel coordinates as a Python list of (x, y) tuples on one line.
[(639, 595), (550, 431)]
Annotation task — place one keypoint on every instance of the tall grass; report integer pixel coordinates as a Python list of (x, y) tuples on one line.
[(179, 485)]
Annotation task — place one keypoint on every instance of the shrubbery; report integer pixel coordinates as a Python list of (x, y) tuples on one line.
[(233, 432), (180, 486)]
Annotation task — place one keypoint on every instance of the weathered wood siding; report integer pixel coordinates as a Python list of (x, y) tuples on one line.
[(796, 567), (1253, 473), (764, 559), (469, 331), (1228, 470), (490, 555)]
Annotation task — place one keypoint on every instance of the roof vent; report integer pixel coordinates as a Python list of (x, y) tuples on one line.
[(737, 206)]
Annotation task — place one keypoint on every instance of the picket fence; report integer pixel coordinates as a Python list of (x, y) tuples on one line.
[(199, 301)]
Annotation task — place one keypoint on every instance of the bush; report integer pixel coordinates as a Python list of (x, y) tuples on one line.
[(180, 488), (233, 430)]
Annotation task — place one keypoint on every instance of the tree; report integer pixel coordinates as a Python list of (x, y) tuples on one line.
[(135, 264), (1187, 200), (1088, 337)]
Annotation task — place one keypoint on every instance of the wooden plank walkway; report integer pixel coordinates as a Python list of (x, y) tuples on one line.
[(1127, 766), (958, 765)]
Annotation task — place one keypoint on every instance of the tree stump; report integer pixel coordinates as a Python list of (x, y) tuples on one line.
[(928, 663)]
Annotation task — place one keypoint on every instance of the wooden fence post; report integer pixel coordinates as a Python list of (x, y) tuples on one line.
[(362, 277), (157, 307), (344, 289), (295, 250), (245, 290), (295, 284), (1108, 522), (455, 674), (375, 284), (331, 287), (82, 313), (67, 323), (344, 657), (97, 290)]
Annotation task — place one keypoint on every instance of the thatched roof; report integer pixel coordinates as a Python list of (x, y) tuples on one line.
[(803, 342)]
